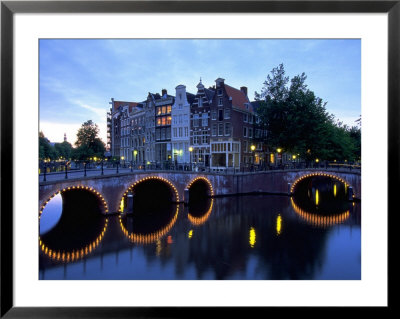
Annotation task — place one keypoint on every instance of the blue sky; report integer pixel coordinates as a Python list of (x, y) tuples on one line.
[(78, 78)]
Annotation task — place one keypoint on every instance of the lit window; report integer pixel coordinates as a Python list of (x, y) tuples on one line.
[(220, 101)]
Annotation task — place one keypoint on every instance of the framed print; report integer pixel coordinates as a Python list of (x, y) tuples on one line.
[(197, 156)]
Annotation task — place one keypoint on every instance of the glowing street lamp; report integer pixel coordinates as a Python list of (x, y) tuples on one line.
[(253, 147), (190, 152)]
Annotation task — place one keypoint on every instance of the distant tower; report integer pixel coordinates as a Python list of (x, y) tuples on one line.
[(65, 137)]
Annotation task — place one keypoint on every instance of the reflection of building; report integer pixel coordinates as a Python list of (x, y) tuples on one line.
[(200, 126), (163, 108), (181, 125)]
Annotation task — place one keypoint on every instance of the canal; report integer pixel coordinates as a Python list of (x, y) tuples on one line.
[(314, 235)]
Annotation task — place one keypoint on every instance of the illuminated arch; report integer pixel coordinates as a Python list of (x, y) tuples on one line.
[(90, 189), (292, 188), (197, 221), (204, 179), (152, 237), (132, 186), (318, 220), (75, 254)]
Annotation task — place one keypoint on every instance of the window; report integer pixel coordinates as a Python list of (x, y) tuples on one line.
[(204, 121), (250, 132), (168, 133), (227, 129), (174, 132), (200, 101), (196, 120), (214, 115), (245, 146), (186, 132), (180, 132), (168, 122), (245, 131), (245, 117), (195, 139), (220, 129), (158, 121), (158, 134), (204, 137), (220, 115), (250, 119), (219, 92), (220, 101), (163, 133), (256, 133), (214, 130), (227, 113), (169, 109)]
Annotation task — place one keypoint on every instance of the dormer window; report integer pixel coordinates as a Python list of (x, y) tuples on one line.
[(219, 91), (200, 101)]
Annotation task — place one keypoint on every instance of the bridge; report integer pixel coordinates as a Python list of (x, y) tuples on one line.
[(111, 188)]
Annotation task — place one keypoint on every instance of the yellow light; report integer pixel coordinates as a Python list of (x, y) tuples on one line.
[(334, 190), (317, 160), (294, 156), (279, 150), (279, 224), (95, 158), (252, 147), (190, 233), (135, 152), (122, 205), (190, 149), (122, 157), (316, 197), (252, 237)]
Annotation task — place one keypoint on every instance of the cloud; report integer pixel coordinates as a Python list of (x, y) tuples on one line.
[(101, 112)]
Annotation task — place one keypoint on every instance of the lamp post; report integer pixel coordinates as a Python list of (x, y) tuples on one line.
[(279, 150), (253, 148), (190, 152)]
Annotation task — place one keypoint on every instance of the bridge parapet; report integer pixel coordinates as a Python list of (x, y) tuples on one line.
[(113, 187)]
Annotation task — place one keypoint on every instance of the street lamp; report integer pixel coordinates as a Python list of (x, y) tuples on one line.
[(279, 150), (190, 152)]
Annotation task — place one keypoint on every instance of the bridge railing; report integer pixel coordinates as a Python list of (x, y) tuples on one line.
[(126, 168)]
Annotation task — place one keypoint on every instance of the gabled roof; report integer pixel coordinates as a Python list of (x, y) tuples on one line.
[(209, 93), (239, 99)]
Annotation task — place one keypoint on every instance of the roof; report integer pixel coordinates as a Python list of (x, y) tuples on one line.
[(239, 99), (190, 97), (209, 93), (117, 104)]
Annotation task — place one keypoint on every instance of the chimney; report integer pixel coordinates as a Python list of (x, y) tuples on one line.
[(164, 92), (219, 81), (244, 90)]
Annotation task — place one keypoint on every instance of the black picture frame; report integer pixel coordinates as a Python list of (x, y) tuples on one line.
[(9, 8)]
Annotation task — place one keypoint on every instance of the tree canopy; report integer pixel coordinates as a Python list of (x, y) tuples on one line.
[(297, 121), (88, 144)]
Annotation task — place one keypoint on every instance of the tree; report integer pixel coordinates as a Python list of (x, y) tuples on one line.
[(297, 120), (88, 143), (64, 149), (46, 150)]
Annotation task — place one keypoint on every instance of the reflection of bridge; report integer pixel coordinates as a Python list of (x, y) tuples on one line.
[(111, 188)]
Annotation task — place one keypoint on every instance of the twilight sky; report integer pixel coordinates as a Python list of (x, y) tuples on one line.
[(78, 78)]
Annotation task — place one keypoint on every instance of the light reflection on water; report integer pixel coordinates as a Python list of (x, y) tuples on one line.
[(244, 237)]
